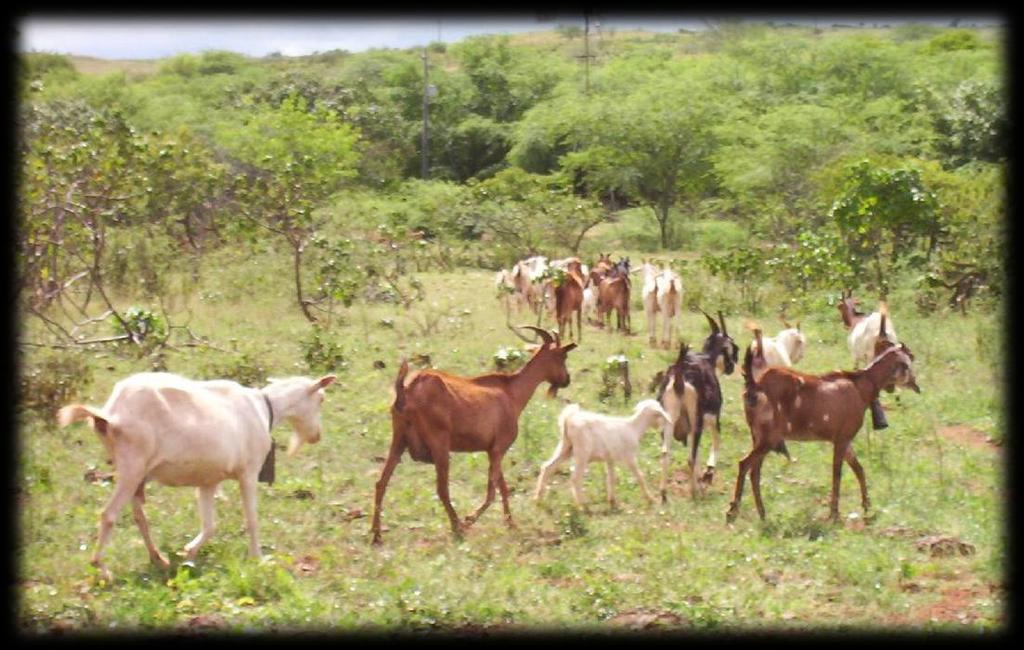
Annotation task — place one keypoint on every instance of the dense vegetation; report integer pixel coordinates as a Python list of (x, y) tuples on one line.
[(224, 216)]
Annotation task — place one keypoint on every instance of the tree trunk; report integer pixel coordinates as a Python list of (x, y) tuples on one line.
[(661, 214), (298, 283)]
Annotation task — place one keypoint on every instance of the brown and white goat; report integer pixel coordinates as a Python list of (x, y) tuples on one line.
[(436, 413), (783, 404), (865, 332), (691, 395), (158, 426)]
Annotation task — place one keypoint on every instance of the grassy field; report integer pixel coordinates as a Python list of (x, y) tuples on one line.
[(934, 472)]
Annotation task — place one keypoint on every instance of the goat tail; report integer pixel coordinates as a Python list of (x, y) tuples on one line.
[(749, 385), (563, 424), (403, 370), (77, 412)]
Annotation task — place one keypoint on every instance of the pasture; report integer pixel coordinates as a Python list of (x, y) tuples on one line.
[(930, 555)]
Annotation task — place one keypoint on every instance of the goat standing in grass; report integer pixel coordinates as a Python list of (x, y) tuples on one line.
[(690, 392), (662, 293), (782, 404), (569, 301), (163, 427), (588, 436), (435, 413)]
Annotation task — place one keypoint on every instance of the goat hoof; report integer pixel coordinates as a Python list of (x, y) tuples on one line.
[(160, 560)]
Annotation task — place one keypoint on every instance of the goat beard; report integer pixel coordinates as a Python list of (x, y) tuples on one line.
[(552, 391)]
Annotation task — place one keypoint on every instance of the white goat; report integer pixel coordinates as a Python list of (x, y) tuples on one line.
[(783, 350), (588, 436), (864, 329), (649, 296), (523, 275), (670, 300), (505, 286), (662, 293), (590, 302), (163, 427)]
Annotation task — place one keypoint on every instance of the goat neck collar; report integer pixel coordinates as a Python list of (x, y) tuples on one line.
[(270, 411)]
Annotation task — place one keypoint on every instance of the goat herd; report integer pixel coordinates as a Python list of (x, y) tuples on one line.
[(177, 431)]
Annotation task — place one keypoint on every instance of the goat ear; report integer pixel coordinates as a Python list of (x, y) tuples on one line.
[(323, 382), (571, 346)]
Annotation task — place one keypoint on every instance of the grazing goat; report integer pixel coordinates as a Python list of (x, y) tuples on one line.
[(785, 348), (690, 392), (163, 427), (587, 436), (784, 404), (435, 413)]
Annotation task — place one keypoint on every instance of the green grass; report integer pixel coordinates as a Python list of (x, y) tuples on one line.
[(560, 568)]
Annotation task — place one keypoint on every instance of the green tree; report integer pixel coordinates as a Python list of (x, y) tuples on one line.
[(291, 161), (883, 212)]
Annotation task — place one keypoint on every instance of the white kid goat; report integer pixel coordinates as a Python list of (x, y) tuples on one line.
[(587, 436), (783, 350), (163, 427)]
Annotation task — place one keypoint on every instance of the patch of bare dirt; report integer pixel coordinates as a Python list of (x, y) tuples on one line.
[(639, 619), (944, 546), (968, 437), (205, 622), (307, 565), (956, 604)]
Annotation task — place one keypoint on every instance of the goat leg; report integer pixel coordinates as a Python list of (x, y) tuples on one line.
[(139, 514)]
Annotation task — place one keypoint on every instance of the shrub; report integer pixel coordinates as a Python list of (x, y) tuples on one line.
[(322, 354), (241, 367), (53, 379), (145, 327), (508, 359)]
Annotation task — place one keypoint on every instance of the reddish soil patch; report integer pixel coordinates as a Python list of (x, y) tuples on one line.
[(955, 604), (968, 437)]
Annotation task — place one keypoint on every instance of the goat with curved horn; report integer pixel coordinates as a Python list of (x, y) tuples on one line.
[(711, 321), (544, 334)]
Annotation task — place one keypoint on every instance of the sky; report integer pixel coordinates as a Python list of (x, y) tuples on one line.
[(153, 37)]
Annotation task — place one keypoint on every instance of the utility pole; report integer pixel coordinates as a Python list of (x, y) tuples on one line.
[(426, 117), (587, 56)]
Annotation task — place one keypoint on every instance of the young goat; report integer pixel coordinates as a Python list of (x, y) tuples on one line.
[(587, 436), (162, 427), (784, 404), (785, 348), (435, 413)]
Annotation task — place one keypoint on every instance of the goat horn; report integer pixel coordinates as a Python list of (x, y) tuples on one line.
[(683, 348), (721, 319), (544, 334), (711, 321)]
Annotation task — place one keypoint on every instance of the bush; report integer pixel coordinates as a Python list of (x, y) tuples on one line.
[(147, 328), (323, 354), (241, 367), (53, 379)]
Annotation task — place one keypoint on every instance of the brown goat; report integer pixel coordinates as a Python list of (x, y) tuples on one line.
[(435, 413), (569, 299), (783, 404), (613, 295), (848, 309)]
